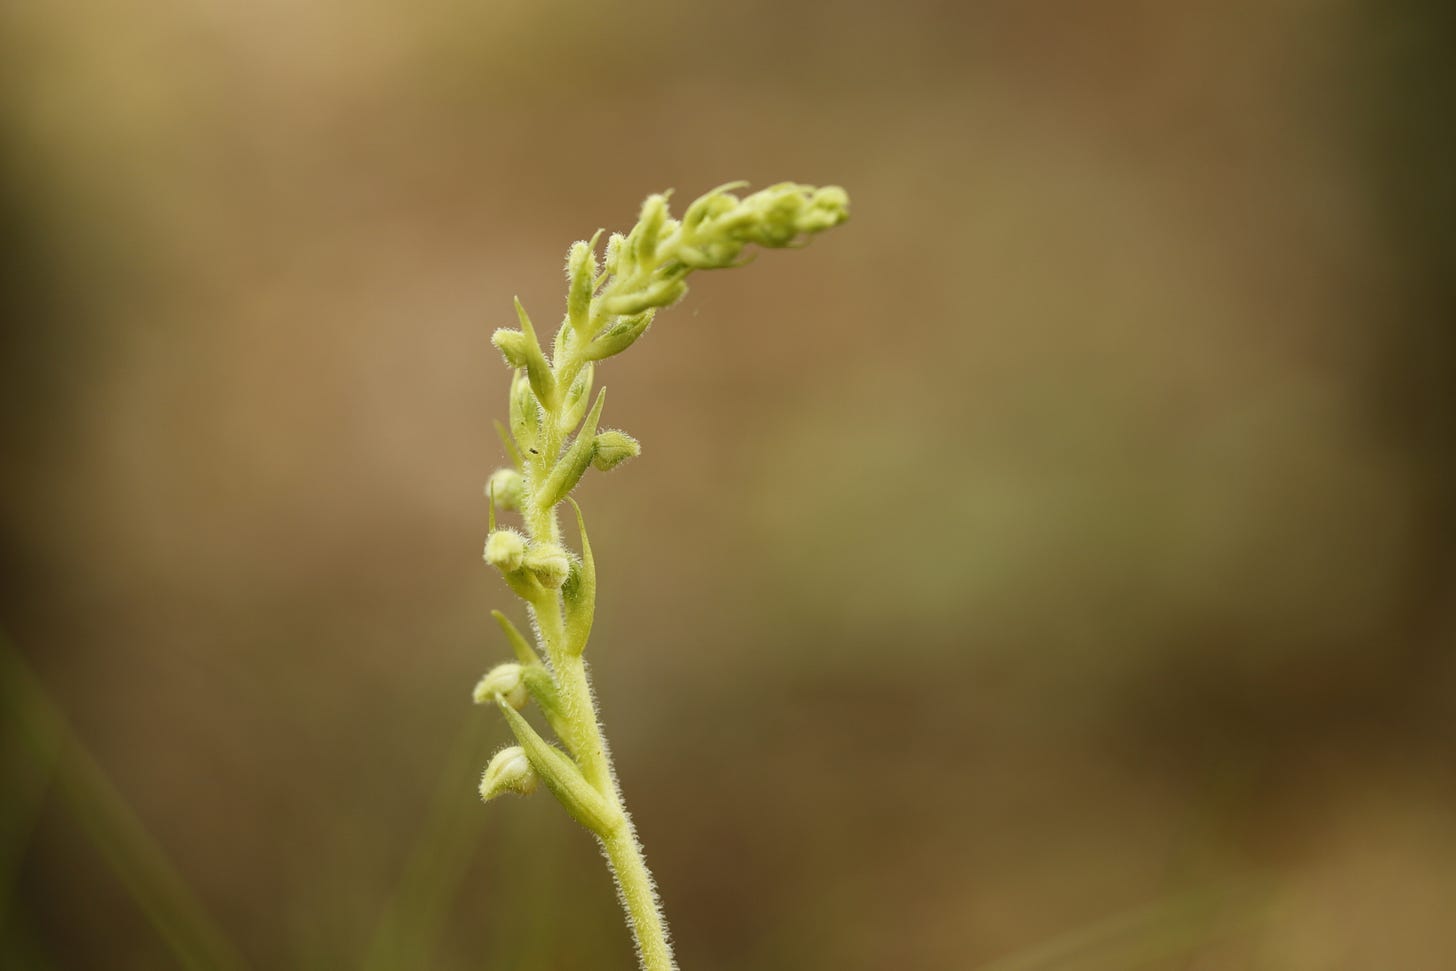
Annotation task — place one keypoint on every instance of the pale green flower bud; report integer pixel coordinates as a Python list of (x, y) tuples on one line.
[(614, 448), (611, 261), (620, 336), (525, 414), (581, 272), (648, 231), (509, 771), (710, 255), (577, 396), (711, 205), (659, 293), (549, 562), (505, 680), (718, 225), (513, 345), (776, 210), (828, 207), (505, 549), (507, 488)]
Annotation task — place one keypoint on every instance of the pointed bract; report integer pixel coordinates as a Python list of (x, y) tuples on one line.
[(571, 466), (562, 776), (522, 647), (538, 370), (579, 593), (510, 446)]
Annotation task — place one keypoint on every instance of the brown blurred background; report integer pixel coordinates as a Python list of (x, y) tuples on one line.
[(1051, 568)]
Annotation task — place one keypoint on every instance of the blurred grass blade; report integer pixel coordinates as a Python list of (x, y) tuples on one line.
[(26, 794), (109, 822), (410, 927), (1159, 931)]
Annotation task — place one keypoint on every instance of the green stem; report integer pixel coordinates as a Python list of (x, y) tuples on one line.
[(583, 730), (639, 898), (623, 850), (583, 734), (586, 742)]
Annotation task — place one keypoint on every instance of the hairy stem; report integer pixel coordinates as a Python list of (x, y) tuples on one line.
[(622, 849), (639, 897), (583, 735)]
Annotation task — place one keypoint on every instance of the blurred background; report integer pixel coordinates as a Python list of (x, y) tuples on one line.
[(1055, 567)]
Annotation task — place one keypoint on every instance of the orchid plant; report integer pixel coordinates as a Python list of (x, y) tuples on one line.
[(554, 436)]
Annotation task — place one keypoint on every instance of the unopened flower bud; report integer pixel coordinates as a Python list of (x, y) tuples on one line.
[(650, 226), (507, 488), (514, 346), (549, 562), (620, 336), (525, 413), (509, 771), (710, 255), (505, 680), (505, 549), (581, 274), (775, 214), (831, 198), (611, 261), (828, 207), (613, 448), (662, 293), (711, 205), (577, 397)]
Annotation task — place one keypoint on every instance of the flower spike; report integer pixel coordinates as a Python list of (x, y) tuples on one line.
[(552, 439)]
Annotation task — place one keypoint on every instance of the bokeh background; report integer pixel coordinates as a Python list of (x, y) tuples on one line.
[(1055, 567)]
